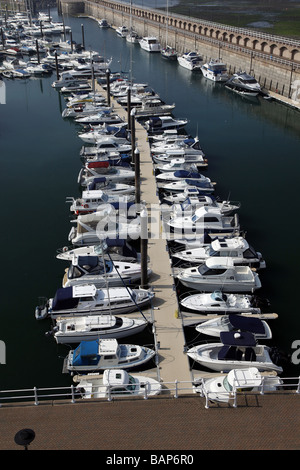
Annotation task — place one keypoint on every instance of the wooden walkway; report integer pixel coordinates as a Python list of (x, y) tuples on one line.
[(173, 362)]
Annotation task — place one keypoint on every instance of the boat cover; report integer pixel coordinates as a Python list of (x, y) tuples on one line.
[(231, 338), (186, 174), (86, 353), (64, 299), (253, 325), (199, 184)]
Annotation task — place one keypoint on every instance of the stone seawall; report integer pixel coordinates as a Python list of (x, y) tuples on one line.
[(282, 77)]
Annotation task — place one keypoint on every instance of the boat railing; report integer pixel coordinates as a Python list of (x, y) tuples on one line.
[(174, 389)]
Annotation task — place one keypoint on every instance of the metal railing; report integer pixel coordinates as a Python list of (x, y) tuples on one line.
[(174, 389)]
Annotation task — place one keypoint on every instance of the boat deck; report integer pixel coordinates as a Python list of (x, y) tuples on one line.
[(172, 361)]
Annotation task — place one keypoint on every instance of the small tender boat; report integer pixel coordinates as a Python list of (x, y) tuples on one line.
[(117, 383), (150, 44), (236, 248), (86, 299), (160, 123), (222, 388), (215, 70), (220, 303), (190, 60), (101, 354), (235, 351), (93, 270), (220, 274), (235, 322), (91, 327)]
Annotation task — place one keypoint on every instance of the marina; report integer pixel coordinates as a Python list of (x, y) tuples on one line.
[(170, 330)]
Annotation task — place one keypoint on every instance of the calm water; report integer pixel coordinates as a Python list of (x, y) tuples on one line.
[(253, 152)]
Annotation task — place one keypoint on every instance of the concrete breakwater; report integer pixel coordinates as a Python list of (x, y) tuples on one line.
[(274, 61)]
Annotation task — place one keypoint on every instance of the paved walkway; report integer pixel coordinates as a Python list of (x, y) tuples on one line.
[(268, 422)]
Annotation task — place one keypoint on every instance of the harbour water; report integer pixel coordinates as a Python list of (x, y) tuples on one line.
[(253, 153)]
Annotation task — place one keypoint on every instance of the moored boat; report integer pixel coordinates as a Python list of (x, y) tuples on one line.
[(101, 354), (117, 383)]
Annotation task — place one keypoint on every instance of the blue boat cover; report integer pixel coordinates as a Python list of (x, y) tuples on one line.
[(199, 184), (245, 339), (186, 174), (253, 325), (63, 299), (86, 353)]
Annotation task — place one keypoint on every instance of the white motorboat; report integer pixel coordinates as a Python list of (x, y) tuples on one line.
[(116, 384), (178, 175), (91, 200), (219, 303), (65, 79), (93, 227), (190, 60), (98, 355), (84, 111), (150, 44), (209, 219), (215, 70), (153, 107), (100, 273), (222, 388), (160, 123), (236, 248), (235, 351), (191, 199), (103, 23), (187, 146), (101, 115), (132, 37), (168, 155), (119, 250), (81, 300), (220, 274), (95, 176), (122, 31), (174, 165), (90, 327), (169, 53), (104, 142), (206, 187), (235, 322), (243, 84)]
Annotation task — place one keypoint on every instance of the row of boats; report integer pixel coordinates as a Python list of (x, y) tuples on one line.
[(100, 286), (240, 82)]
